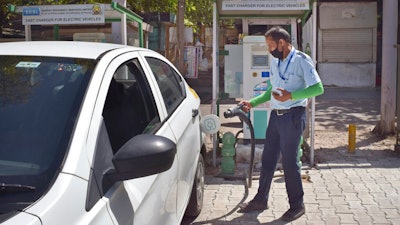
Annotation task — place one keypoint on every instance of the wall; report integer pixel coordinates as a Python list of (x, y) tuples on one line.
[(348, 74), (347, 40)]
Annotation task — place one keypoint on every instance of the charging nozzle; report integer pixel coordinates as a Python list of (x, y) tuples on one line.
[(234, 111)]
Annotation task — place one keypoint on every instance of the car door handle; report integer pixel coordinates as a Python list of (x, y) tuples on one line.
[(195, 112)]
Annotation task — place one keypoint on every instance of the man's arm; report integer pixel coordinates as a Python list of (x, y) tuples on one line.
[(313, 90), (264, 97)]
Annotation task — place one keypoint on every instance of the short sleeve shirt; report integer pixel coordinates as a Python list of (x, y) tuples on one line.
[(295, 72)]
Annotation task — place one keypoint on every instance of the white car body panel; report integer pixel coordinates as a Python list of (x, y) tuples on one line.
[(65, 204), (187, 149), (147, 196), (118, 205), (158, 207), (185, 134), (23, 218)]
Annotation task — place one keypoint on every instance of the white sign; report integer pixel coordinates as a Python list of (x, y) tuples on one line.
[(210, 124), (23, 64), (265, 5), (63, 14), (191, 57)]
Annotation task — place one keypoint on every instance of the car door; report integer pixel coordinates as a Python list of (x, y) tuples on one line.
[(129, 104), (182, 107)]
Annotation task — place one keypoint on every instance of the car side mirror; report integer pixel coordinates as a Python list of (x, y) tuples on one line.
[(143, 155)]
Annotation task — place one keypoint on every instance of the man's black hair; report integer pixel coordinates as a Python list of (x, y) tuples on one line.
[(277, 33)]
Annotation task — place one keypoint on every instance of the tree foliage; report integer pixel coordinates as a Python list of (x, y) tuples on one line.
[(145, 6), (197, 11), (5, 16)]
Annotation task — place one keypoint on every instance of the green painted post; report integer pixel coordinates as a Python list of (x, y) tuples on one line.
[(300, 153), (228, 152)]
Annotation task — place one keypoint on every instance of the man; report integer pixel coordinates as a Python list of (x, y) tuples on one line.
[(293, 80)]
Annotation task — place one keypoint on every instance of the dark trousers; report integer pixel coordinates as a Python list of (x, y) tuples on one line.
[(283, 136)]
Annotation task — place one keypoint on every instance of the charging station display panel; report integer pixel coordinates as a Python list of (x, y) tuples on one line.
[(260, 61)]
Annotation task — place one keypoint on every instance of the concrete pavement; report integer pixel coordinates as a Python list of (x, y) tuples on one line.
[(343, 188)]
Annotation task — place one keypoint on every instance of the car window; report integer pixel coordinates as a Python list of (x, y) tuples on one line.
[(40, 98), (170, 82), (130, 107)]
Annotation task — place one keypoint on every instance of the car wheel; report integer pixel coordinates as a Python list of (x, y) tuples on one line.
[(196, 198)]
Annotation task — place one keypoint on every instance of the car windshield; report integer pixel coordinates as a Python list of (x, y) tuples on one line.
[(40, 98)]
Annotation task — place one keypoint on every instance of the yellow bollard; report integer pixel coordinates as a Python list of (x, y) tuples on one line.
[(352, 138)]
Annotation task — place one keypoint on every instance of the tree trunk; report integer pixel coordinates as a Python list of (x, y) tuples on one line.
[(389, 61), (2, 18), (180, 24)]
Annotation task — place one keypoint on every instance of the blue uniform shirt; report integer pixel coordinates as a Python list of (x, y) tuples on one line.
[(295, 72)]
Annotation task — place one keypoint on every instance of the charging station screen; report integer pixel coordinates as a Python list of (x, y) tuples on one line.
[(260, 61)]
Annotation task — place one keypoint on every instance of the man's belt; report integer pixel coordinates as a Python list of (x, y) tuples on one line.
[(281, 112)]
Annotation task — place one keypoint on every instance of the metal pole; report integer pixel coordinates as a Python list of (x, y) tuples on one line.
[(28, 33), (314, 57), (215, 75), (121, 28), (397, 146), (124, 32), (293, 23), (56, 32)]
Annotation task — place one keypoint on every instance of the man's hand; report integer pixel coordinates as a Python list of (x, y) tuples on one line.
[(246, 106), (282, 95)]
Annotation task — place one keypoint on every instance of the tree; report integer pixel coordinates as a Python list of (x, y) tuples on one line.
[(5, 15), (180, 27), (386, 125), (146, 6), (194, 13), (197, 11)]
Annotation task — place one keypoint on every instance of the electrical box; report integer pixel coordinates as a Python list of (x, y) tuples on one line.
[(233, 78)]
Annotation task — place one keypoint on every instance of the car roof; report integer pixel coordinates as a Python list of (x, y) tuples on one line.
[(70, 49)]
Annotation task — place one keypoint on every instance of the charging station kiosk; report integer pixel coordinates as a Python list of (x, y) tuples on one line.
[(256, 17), (256, 74)]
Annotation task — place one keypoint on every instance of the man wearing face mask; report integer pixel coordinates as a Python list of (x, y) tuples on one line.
[(293, 80)]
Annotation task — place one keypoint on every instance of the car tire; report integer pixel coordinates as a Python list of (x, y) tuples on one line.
[(196, 198)]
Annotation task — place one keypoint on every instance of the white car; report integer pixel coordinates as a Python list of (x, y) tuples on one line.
[(96, 133)]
